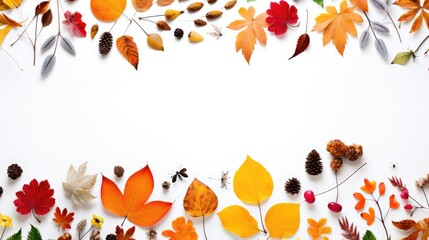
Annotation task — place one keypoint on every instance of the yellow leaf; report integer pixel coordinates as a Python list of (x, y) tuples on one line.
[(282, 220), (252, 182), (238, 220), (142, 5), (199, 200), (4, 31), (128, 48), (108, 10), (8, 4), (154, 41), (5, 20)]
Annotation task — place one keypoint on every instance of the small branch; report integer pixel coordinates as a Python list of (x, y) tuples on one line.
[(426, 197), (140, 27), (370, 25), (13, 59), (426, 38), (204, 227), (415, 200), (81, 237), (262, 220), (396, 28), (123, 221), (336, 183), (25, 30), (381, 215), (4, 230), (35, 40), (306, 22), (159, 15)]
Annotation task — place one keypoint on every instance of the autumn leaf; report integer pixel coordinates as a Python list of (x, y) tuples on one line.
[(128, 48), (199, 200), (335, 25), (79, 185), (402, 58), (63, 218), (238, 220), (8, 4), (278, 225), (252, 183), (316, 229), (75, 24), (10, 24), (254, 29), (421, 226), (164, 2), (301, 45), (360, 4), (132, 204), (414, 7), (392, 202), (280, 16), (120, 235), (369, 186), (35, 198), (142, 5), (108, 10), (182, 230), (361, 201), (369, 216)]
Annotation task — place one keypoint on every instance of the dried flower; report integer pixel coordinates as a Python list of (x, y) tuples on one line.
[(336, 147), (151, 234), (336, 163), (81, 225), (313, 165), (165, 185), (14, 171), (317, 229), (354, 152), (118, 171), (422, 181), (293, 186), (97, 221), (5, 221)]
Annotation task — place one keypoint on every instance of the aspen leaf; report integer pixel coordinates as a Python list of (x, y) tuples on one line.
[(164, 2), (154, 41), (128, 48), (142, 5), (252, 182), (199, 200), (132, 204), (282, 220), (108, 10), (238, 220)]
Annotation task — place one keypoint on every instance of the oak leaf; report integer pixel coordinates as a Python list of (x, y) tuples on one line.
[(63, 218), (421, 226), (335, 25), (10, 24), (132, 204), (414, 7), (79, 185), (183, 230), (254, 29), (199, 200), (108, 10), (128, 48)]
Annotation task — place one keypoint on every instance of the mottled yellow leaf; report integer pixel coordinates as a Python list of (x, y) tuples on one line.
[(108, 10), (282, 220), (142, 5), (252, 182), (199, 200), (238, 220)]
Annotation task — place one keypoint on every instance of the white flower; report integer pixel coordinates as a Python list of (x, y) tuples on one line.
[(79, 185)]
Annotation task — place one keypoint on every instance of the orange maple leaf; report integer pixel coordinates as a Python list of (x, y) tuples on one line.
[(421, 226), (335, 25), (63, 218), (246, 39), (132, 204), (392, 202), (413, 7), (184, 230)]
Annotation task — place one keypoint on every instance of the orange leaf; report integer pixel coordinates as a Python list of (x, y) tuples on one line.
[(164, 2), (246, 39), (335, 25), (414, 7), (142, 5), (183, 230), (381, 188), (369, 217), (361, 201), (199, 200), (63, 218), (128, 48), (120, 235), (108, 10), (132, 204), (392, 202), (369, 187), (360, 4), (406, 224)]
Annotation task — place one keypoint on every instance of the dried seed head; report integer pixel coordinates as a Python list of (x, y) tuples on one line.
[(200, 22), (353, 152), (81, 225), (178, 33), (163, 25), (293, 186), (336, 163), (95, 235), (151, 234), (214, 14), (119, 171), (194, 7), (230, 4), (336, 147), (111, 237), (14, 171), (165, 185)]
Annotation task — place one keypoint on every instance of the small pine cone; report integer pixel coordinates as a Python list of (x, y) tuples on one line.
[(119, 171), (165, 185), (14, 171), (354, 152), (178, 33), (95, 235), (81, 225), (105, 44), (151, 234), (336, 163), (111, 237), (293, 186), (313, 165), (336, 147), (1, 191)]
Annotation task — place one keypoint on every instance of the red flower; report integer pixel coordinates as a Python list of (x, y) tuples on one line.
[(280, 15), (74, 23)]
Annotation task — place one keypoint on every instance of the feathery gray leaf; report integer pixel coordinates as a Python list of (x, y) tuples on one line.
[(381, 48), (363, 39), (48, 43), (378, 4), (68, 46), (48, 65), (379, 27)]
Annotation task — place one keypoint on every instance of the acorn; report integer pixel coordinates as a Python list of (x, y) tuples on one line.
[(200, 22), (171, 14), (195, 37)]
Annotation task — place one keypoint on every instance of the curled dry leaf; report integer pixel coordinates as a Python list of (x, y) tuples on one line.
[(154, 41), (107, 10), (301, 45), (194, 7), (128, 48), (215, 14), (79, 185), (199, 200)]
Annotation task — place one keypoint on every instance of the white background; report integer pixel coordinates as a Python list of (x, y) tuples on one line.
[(201, 106)]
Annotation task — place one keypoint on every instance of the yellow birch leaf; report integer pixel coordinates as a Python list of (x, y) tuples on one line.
[(154, 41), (4, 31), (108, 10), (282, 220), (253, 184), (238, 220), (199, 200)]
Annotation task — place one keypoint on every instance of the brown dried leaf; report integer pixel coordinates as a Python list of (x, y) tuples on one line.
[(199, 200), (301, 45), (194, 7), (41, 8), (128, 48), (406, 224), (47, 18), (163, 25), (230, 4), (94, 30), (164, 2), (214, 14)]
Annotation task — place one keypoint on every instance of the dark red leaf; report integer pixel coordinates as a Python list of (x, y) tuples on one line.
[(75, 24), (35, 197), (128, 234), (47, 18), (280, 15), (41, 8), (301, 45)]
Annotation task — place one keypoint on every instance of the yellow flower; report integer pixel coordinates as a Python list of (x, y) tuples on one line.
[(5, 221), (316, 229), (97, 221)]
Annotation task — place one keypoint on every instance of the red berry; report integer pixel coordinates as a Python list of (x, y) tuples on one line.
[(335, 207), (309, 196), (408, 207), (404, 194)]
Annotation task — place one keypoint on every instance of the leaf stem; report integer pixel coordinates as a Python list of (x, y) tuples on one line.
[(415, 201), (396, 28), (424, 40), (204, 227), (25, 30), (12, 58), (4, 230), (159, 15), (306, 21), (34, 215), (123, 221), (140, 27), (35, 40), (262, 220), (370, 25), (81, 237), (426, 197), (148, 20)]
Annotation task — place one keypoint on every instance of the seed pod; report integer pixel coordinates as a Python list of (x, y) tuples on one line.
[(163, 25), (154, 41), (200, 22), (65, 236), (194, 7), (94, 30), (211, 1), (195, 37), (214, 14), (230, 4), (172, 14)]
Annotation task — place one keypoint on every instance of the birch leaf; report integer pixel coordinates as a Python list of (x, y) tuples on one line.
[(79, 185), (238, 220)]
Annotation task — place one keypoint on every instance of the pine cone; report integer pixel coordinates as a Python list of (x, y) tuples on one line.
[(336, 147), (81, 225), (95, 235), (105, 44), (14, 171), (293, 186), (354, 152), (313, 165), (119, 171), (111, 237), (336, 163), (151, 234)]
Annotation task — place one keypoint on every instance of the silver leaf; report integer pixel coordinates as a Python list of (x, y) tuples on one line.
[(48, 43), (379, 27), (380, 5), (381, 48), (48, 65), (68, 46), (363, 39)]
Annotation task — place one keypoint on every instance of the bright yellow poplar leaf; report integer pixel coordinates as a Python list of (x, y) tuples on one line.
[(108, 10), (199, 200), (238, 220), (253, 184), (282, 220)]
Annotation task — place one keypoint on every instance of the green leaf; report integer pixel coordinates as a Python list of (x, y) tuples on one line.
[(16, 236), (319, 2), (34, 234), (403, 57), (369, 236)]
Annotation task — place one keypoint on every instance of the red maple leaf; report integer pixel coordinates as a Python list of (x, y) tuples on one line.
[(280, 15), (74, 23), (63, 218), (35, 198)]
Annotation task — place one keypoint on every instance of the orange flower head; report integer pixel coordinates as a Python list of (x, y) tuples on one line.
[(392, 202), (361, 201), (369, 217), (369, 186), (183, 230), (317, 229)]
